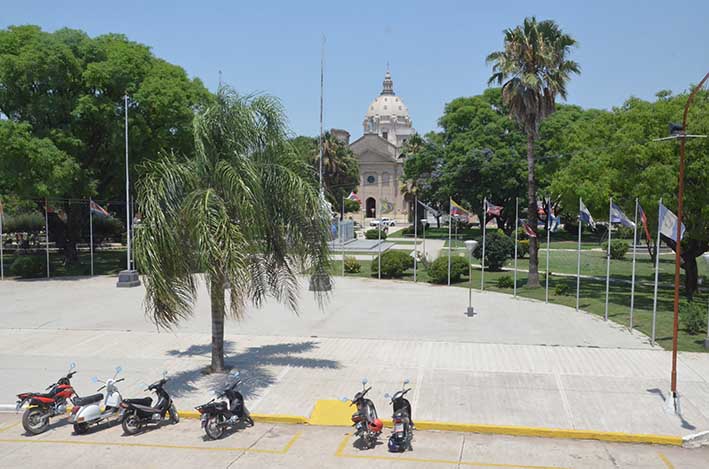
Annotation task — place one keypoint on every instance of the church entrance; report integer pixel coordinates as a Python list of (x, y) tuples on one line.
[(371, 207)]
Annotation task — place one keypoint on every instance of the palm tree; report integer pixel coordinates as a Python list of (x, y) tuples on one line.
[(238, 212), (533, 70), (340, 168)]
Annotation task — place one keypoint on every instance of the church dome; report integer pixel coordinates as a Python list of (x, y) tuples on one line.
[(387, 103)]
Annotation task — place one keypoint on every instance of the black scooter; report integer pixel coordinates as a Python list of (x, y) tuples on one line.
[(218, 415), (401, 437), (367, 425), (137, 413)]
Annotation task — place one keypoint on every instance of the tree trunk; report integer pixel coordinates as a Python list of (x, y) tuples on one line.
[(217, 296), (533, 278)]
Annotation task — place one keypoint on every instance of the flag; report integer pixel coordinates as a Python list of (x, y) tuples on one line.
[(585, 215), (617, 216), (530, 232), (643, 219), (493, 210), (428, 208), (387, 207), (354, 197), (456, 209), (96, 209), (668, 224)]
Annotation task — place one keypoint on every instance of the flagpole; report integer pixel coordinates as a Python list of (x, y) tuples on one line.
[(608, 256), (657, 273), (632, 284), (379, 234), (342, 238), (416, 222), (128, 220), (482, 259), (450, 225), (2, 265), (548, 228), (91, 236), (46, 232), (514, 288), (578, 259)]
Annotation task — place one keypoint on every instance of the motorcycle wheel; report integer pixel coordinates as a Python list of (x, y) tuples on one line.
[(131, 424), (35, 421), (81, 428), (214, 428), (249, 421), (174, 415)]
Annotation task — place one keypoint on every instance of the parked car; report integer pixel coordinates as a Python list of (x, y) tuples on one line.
[(385, 222)]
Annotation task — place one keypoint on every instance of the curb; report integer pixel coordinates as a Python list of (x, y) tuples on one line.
[(265, 418)]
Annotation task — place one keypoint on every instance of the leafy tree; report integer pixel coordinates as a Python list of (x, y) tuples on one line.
[(236, 210), (423, 168), (68, 88), (533, 70)]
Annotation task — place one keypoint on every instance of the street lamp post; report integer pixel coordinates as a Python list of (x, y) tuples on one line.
[(470, 246), (706, 341)]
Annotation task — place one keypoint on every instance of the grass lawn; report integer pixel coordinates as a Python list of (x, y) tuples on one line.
[(105, 263), (592, 299)]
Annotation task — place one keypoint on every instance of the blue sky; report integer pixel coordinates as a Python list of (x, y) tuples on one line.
[(436, 49)]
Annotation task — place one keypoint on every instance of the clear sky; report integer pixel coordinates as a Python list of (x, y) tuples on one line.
[(436, 49)]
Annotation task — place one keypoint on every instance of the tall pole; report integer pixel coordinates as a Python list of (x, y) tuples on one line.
[(608, 256), (657, 274), (379, 233), (91, 236), (632, 278), (424, 235), (482, 259), (2, 265), (128, 220), (322, 83), (342, 237), (450, 223), (46, 231), (416, 239), (578, 260), (548, 229), (678, 250), (516, 241)]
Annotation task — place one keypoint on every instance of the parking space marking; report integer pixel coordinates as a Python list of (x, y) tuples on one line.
[(341, 454), (666, 461), (284, 450), (9, 427)]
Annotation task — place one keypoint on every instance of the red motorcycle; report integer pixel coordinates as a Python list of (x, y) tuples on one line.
[(42, 406)]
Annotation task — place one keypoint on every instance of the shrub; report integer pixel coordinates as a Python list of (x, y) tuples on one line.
[(107, 227), (23, 223), (498, 247), (372, 234), (522, 248), (692, 315), (394, 264), (624, 232), (438, 269), (618, 248), (29, 266), (562, 289), (352, 265), (505, 282), (571, 225)]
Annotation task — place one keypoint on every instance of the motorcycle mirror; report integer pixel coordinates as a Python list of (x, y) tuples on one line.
[(235, 374), (72, 365), (387, 396), (364, 381), (94, 379), (119, 368), (345, 399), (406, 381), (164, 373)]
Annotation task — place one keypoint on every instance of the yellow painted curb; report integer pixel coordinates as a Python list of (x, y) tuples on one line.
[(332, 413)]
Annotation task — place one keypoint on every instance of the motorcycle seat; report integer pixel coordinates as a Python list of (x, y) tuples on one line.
[(86, 400), (144, 401), (146, 409)]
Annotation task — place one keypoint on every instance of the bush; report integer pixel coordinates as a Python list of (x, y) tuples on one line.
[(505, 282), (498, 248), (352, 265), (29, 266), (692, 315), (394, 264), (107, 227), (438, 269), (23, 223), (562, 289), (618, 248), (372, 234), (571, 225), (522, 248), (624, 232)]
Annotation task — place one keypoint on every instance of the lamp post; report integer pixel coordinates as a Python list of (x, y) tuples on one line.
[(470, 246), (706, 341), (424, 222)]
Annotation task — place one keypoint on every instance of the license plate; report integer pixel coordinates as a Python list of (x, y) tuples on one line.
[(398, 427)]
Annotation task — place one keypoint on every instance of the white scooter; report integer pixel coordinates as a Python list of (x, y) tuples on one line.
[(88, 410)]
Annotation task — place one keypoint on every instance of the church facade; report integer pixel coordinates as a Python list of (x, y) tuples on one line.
[(387, 127)]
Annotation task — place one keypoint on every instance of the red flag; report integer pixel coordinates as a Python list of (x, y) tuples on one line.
[(530, 232), (643, 218)]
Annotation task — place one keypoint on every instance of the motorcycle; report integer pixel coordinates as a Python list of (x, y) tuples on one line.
[(367, 425), (218, 415), (401, 437), (43, 406), (87, 410), (137, 413)]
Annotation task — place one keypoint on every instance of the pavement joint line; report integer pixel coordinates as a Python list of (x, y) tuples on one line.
[(666, 461), (9, 427), (282, 451), (341, 454)]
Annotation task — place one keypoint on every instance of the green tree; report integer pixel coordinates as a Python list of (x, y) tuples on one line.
[(69, 88), (237, 210), (533, 70)]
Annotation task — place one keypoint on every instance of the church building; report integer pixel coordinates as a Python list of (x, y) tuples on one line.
[(387, 126)]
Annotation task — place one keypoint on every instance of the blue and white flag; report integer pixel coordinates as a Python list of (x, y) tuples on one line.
[(430, 209), (585, 215), (668, 224), (617, 216)]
